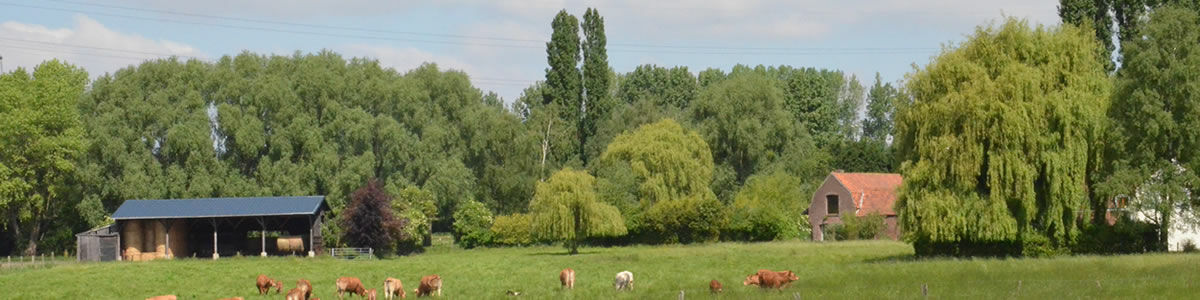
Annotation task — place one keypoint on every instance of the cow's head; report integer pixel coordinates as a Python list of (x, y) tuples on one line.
[(278, 286), (791, 276), (752, 280)]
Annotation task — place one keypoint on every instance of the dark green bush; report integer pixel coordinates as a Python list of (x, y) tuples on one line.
[(472, 224)]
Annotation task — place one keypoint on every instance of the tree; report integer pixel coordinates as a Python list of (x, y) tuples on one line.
[(1097, 16), (880, 110), (994, 147), (472, 224), (41, 138), (1156, 155), (565, 208), (596, 78), (770, 207), (673, 169), (369, 220), (746, 123), (564, 89)]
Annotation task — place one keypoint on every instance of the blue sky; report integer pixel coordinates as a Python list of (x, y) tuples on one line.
[(500, 43)]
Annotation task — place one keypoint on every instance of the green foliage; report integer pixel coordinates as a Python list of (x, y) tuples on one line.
[(565, 208), (673, 168), (596, 78), (864, 155), (41, 139), (1094, 15), (867, 227), (1156, 152), (417, 206), (745, 122), (564, 86), (881, 109), (673, 87), (770, 207), (472, 225), (995, 146), (513, 230)]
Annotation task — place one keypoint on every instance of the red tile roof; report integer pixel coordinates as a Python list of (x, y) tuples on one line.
[(871, 192)]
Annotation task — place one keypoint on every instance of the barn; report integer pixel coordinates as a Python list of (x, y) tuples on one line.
[(858, 194), (208, 227)]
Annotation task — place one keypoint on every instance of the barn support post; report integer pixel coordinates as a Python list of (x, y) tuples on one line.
[(167, 225), (262, 235), (120, 248), (311, 252), (216, 255)]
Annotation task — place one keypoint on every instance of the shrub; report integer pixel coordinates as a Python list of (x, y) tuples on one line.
[(369, 221), (418, 207), (769, 207), (472, 224), (513, 230), (697, 218), (860, 228)]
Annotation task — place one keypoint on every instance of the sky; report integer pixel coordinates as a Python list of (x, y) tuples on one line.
[(500, 44)]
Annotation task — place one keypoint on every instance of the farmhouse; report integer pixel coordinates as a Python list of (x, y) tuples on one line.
[(859, 194), (156, 229)]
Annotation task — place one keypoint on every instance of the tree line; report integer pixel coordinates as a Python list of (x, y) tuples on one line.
[(1013, 142)]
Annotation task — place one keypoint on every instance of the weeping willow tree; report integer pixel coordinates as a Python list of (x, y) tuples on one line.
[(995, 140), (565, 208)]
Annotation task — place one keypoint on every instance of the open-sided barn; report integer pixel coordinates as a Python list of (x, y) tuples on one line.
[(209, 227)]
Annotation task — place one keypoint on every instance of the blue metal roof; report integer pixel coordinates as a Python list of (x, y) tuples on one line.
[(218, 207)]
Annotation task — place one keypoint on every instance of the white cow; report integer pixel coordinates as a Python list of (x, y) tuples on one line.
[(624, 281)]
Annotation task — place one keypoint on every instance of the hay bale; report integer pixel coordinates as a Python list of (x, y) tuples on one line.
[(131, 234), (179, 233), (160, 237), (293, 243)]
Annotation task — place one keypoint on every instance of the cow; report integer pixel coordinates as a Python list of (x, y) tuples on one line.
[(234, 298), (392, 287), (567, 277), (297, 293), (265, 284), (163, 297), (429, 285), (771, 279), (371, 294), (714, 286), (623, 281), (351, 285), (307, 286)]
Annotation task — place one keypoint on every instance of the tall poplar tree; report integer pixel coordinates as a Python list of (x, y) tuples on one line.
[(564, 89), (596, 77)]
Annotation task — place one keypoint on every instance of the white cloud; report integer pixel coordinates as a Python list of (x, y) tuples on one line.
[(88, 44), (404, 59)]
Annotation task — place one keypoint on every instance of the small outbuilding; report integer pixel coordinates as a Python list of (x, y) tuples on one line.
[(859, 194), (208, 227)]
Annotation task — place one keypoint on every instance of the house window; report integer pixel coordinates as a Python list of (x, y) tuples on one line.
[(831, 204)]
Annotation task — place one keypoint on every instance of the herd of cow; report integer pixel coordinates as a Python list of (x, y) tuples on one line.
[(432, 285)]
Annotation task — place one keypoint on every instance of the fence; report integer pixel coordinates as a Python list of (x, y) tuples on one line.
[(351, 253), (15, 262)]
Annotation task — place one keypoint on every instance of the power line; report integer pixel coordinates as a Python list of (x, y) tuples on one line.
[(786, 51), (98, 48)]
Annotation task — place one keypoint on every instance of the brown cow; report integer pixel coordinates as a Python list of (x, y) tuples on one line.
[(265, 283), (714, 286), (771, 279), (163, 297), (234, 298), (393, 287), (296, 293), (567, 277), (307, 286), (429, 285), (371, 294), (350, 284)]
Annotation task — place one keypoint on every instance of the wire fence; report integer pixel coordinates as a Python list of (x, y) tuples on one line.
[(38, 261)]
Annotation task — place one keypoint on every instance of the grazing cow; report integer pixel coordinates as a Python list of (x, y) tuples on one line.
[(714, 286), (771, 279), (234, 298), (429, 285), (371, 294), (567, 277), (163, 297), (623, 281), (351, 285), (296, 293), (307, 286), (265, 283), (393, 287)]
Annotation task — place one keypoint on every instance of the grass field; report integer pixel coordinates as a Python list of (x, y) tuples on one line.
[(859, 270)]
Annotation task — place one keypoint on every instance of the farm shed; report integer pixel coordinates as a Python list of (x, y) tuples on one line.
[(156, 229), (98, 244), (859, 194)]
